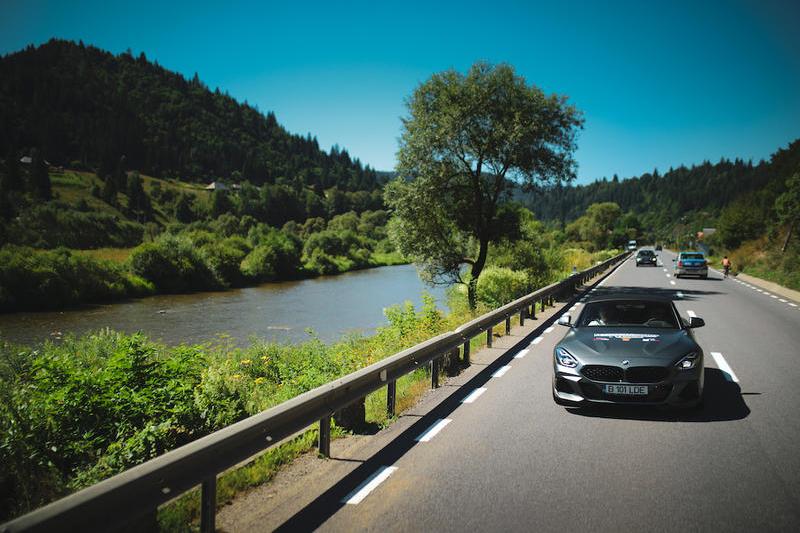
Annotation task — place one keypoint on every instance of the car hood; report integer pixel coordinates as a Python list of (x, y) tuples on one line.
[(640, 346)]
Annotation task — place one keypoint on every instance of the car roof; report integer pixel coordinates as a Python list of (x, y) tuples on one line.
[(691, 252)]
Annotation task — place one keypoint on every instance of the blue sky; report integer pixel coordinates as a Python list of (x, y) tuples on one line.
[(661, 83)]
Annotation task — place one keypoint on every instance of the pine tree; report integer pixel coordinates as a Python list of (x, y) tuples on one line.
[(110, 190)]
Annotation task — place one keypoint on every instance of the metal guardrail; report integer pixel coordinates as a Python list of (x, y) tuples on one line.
[(132, 497)]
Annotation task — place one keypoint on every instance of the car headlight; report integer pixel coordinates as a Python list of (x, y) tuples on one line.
[(688, 361), (564, 358)]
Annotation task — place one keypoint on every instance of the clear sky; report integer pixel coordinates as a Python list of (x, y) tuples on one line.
[(661, 83)]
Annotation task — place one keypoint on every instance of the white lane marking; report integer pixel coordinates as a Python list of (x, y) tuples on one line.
[(679, 294), (500, 372), (665, 270), (537, 340), (431, 432), (370, 484), (773, 296), (551, 328), (691, 314), (671, 282), (725, 367), (521, 354), (669, 275), (793, 305), (781, 300), (472, 396)]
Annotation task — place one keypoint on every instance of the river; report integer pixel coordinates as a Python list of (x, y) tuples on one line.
[(331, 306)]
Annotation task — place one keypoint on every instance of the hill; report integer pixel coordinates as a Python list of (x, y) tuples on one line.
[(84, 107)]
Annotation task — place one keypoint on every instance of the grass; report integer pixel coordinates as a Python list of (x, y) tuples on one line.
[(116, 255)]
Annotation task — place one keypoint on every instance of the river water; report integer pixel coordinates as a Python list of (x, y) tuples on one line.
[(330, 306)]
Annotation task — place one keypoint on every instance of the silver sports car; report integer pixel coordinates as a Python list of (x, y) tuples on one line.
[(628, 350)]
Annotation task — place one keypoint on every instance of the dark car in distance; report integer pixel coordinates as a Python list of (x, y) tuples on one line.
[(628, 350), (646, 257)]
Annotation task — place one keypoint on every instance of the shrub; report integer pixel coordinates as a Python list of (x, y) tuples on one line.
[(172, 264), (497, 286)]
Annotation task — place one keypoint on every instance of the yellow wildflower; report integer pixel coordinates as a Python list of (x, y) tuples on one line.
[(237, 376), (245, 362), (258, 380)]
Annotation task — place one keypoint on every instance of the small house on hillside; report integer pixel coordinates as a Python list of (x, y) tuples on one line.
[(216, 186)]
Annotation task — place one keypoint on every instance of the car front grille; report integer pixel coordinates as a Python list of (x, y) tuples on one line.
[(608, 374)]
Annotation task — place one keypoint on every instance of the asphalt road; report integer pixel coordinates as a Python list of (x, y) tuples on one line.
[(512, 460)]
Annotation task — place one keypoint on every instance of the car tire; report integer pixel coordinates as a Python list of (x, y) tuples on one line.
[(704, 277)]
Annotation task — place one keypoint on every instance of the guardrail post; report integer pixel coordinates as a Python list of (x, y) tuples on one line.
[(489, 338), (324, 443), (208, 505), (391, 397), (532, 314), (466, 352), (435, 363), (542, 305), (508, 325), (522, 316)]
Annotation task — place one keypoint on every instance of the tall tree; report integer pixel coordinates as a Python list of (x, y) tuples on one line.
[(40, 179), (787, 206), (467, 141)]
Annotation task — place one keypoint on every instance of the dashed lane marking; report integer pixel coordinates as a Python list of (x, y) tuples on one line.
[(671, 282), (472, 396), (521, 354), (723, 365), (370, 484), (537, 340), (431, 432), (793, 305), (781, 300), (548, 330), (500, 372), (669, 275)]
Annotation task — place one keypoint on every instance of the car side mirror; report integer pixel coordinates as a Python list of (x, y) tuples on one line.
[(696, 322), (565, 320)]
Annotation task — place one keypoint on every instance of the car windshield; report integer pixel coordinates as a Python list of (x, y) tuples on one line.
[(691, 256), (628, 313), (645, 253)]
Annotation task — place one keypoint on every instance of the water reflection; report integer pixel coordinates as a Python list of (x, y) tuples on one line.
[(330, 306)]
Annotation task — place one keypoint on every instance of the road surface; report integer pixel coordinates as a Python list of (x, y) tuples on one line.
[(499, 455)]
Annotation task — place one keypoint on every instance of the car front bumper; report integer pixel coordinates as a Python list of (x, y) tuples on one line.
[(682, 388)]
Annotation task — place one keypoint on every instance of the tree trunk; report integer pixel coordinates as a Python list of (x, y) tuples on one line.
[(788, 237), (477, 268)]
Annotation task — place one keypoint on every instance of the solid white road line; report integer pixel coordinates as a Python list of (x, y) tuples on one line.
[(472, 396), (521, 354), (723, 365), (500, 372), (537, 340), (370, 484), (671, 282), (691, 314), (548, 330), (431, 432)]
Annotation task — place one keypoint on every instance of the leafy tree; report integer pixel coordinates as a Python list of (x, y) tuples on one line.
[(183, 208), (109, 193), (787, 207), (467, 142)]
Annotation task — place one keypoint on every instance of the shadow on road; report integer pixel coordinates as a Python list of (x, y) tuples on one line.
[(723, 402), (616, 290)]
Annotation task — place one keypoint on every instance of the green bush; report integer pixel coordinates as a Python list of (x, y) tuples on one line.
[(39, 279), (224, 261), (498, 286), (172, 264)]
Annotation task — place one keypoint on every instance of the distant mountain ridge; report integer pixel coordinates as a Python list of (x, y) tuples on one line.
[(80, 105)]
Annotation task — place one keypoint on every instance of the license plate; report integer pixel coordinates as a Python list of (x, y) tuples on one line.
[(629, 390)]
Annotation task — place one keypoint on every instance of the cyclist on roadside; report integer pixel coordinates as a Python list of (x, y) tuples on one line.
[(726, 265)]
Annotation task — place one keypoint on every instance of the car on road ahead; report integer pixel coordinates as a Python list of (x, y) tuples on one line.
[(691, 264), (646, 257), (628, 350)]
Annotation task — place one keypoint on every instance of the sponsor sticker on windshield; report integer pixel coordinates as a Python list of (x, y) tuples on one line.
[(627, 337)]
